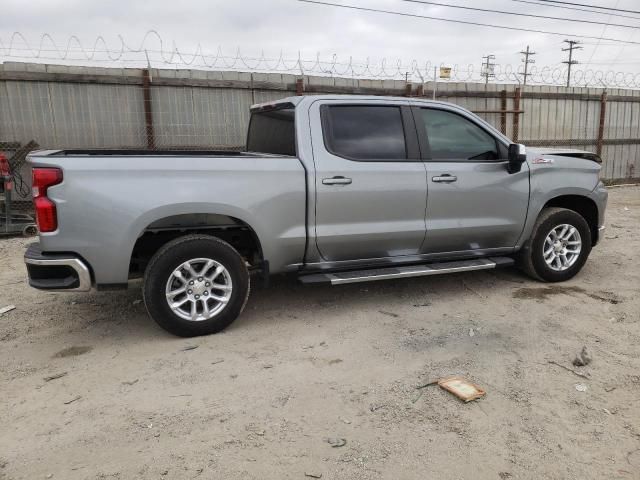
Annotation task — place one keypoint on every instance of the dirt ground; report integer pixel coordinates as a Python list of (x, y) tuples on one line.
[(304, 365)]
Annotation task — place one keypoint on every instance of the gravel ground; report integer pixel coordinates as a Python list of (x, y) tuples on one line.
[(304, 365)]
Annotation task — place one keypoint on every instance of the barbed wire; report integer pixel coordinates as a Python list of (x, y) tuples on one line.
[(161, 56)]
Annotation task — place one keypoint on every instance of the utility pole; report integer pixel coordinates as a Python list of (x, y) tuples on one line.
[(487, 68), (573, 45), (527, 53)]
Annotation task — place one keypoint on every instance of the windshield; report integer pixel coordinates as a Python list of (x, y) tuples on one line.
[(272, 131)]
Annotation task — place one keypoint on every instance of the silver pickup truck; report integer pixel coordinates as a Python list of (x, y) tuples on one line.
[(333, 189)]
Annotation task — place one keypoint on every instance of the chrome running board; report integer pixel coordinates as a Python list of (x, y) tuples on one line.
[(388, 273)]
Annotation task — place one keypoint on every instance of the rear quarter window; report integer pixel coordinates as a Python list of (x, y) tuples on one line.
[(272, 131)]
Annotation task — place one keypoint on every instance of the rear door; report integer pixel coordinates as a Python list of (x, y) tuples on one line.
[(473, 204), (370, 180)]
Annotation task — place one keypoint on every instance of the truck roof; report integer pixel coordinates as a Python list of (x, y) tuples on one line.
[(295, 100)]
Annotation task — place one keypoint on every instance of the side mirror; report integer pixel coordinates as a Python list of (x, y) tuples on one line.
[(517, 156)]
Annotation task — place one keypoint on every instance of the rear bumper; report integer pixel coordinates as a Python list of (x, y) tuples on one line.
[(56, 271)]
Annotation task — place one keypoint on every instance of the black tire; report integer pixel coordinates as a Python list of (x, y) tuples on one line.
[(532, 260), (176, 253)]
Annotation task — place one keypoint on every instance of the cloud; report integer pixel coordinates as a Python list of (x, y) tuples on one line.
[(290, 27)]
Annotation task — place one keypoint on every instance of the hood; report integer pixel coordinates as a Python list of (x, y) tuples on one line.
[(564, 152)]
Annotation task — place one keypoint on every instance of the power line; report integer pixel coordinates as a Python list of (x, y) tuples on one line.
[(503, 12), (591, 6), (604, 29), (465, 22), (574, 8), (527, 53), (573, 45)]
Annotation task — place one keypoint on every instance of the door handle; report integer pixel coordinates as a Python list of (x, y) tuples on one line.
[(339, 180), (446, 178)]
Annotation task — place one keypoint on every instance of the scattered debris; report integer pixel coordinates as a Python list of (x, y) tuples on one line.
[(337, 442), (580, 374), (189, 347), (6, 309), (268, 365), (334, 361), (471, 332), (55, 376), (181, 395), (132, 382), (582, 359), (581, 387), (373, 408), (344, 420), (219, 360), (137, 302), (609, 389), (312, 475), (389, 314), (461, 388), (607, 411), (426, 304), (73, 400)]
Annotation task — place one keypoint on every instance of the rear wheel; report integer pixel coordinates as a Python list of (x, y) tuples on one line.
[(196, 285), (559, 246)]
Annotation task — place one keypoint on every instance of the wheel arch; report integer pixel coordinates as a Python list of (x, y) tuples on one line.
[(582, 205), (162, 228)]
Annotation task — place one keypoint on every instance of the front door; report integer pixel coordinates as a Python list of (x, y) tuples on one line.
[(474, 204), (370, 181)]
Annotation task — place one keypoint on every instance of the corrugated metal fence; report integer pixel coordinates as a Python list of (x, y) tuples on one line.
[(57, 106)]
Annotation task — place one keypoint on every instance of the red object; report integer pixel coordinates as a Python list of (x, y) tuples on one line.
[(46, 214), (5, 171)]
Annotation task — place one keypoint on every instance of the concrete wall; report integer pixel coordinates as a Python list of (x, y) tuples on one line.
[(72, 107)]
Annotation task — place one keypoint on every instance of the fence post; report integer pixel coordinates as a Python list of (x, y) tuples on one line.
[(407, 89), (603, 112), (148, 112), (300, 86), (516, 115), (420, 90), (503, 114)]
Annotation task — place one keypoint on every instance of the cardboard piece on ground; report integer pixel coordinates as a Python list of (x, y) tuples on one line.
[(461, 388), (6, 309)]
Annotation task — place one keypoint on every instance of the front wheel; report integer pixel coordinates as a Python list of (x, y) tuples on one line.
[(196, 285), (559, 245)]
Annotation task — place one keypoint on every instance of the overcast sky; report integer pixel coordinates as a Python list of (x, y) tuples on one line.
[(290, 26)]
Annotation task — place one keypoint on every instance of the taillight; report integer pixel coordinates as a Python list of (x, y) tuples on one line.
[(46, 215)]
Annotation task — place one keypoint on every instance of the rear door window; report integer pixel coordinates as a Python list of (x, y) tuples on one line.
[(364, 132)]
